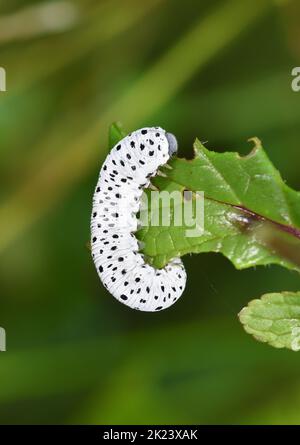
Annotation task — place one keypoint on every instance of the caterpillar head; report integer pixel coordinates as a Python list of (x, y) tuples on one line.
[(172, 143)]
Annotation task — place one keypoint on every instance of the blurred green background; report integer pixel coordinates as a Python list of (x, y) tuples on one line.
[(219, 70)]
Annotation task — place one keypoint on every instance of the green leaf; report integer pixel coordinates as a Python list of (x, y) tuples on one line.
[(274, 319), (115, 134), (241, 195)]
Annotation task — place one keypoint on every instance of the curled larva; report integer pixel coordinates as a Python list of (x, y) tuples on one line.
[(122, 269)]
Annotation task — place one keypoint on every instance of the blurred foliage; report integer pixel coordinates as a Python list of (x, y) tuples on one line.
[(217, 69)]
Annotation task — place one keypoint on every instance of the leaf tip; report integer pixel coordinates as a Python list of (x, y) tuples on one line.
[(257, 145), (116, 132), (198, 146)]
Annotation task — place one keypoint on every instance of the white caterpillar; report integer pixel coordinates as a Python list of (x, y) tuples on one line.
[(121, 268)]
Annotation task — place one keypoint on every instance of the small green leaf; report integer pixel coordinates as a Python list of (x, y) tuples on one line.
[(274, 319), (116, 133)]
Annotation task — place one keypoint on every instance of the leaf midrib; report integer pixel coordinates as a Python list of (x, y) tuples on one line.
[(286, 228)]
